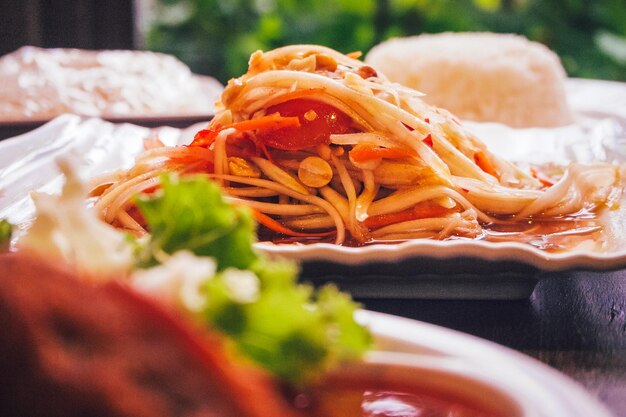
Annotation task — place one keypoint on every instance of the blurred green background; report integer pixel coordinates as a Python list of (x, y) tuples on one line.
[(216, 37)]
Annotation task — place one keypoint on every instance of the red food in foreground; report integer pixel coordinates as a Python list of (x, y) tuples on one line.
[(70, 348)]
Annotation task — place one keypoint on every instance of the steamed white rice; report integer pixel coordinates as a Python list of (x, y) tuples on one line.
[(483, 77)]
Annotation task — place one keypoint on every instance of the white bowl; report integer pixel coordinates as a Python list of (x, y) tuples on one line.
[(417, 357)]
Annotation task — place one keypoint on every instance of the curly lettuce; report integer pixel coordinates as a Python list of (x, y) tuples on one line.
[(191, 214), (289, 328)]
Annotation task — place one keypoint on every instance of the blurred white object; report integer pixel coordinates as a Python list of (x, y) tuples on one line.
[(39, 84), (483, 77), (422, 357)]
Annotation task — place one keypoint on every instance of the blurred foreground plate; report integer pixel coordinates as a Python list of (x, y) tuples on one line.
[(465, 269), (434, 358)]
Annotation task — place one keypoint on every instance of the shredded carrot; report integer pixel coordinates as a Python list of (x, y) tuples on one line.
[(294, 95), (366, 152), (205, 137), (381, 220), (543, 178), (420, 211), (273, 225), (355, 54), (270, 122), (483, 161)]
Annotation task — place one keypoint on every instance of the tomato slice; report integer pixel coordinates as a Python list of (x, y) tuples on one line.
[(317, 122)]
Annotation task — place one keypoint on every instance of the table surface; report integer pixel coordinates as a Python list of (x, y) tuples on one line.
[(573, 321)]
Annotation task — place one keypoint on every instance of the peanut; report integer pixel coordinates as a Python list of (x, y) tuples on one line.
[(241, 167), (314, 172)]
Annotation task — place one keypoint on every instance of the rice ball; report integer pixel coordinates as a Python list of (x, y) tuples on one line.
[(484, 77)]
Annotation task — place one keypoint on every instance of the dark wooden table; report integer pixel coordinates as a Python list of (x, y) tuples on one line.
[(574, 322)]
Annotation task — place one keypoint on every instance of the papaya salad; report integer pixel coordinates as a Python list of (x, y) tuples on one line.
[(323, 148)]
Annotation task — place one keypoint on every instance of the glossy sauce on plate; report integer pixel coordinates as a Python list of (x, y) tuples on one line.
[(365, 403)]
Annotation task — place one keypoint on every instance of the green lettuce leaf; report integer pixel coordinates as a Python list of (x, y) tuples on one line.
[(190, 213), (291, 329), (286, 327)]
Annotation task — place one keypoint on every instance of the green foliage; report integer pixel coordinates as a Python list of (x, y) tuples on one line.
[(217, 37)]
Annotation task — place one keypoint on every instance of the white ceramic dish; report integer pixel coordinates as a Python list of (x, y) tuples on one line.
[(413, 269), (429, 356)]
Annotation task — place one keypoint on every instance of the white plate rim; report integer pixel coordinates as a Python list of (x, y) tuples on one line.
[(559, 395), (442, 250)]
